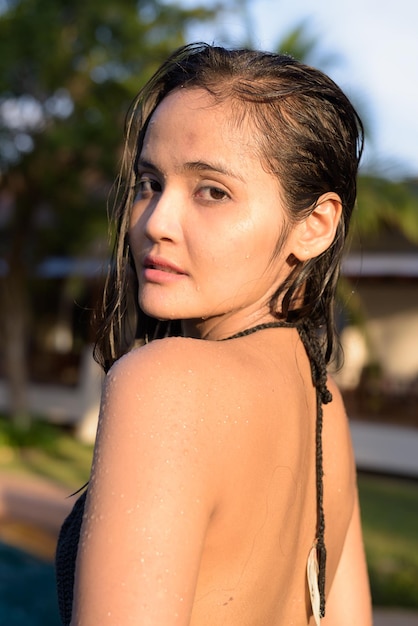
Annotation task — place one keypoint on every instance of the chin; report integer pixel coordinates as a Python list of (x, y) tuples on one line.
[(160, 313)]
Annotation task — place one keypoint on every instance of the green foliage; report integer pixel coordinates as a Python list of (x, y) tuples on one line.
[(45, 450), (390, 521), (68, 72), (387, 203), (39, 434)]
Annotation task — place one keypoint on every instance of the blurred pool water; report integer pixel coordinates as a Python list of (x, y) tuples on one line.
[(27, 589)]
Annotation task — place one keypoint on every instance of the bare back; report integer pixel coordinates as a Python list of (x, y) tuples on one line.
[(215, 476), (266, 526)]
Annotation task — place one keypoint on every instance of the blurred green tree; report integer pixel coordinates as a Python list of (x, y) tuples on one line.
[(68, 72), (382, 202), (387, 204)]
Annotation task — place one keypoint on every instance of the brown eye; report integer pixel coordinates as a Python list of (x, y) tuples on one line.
[(146, 187), (217, 194), (209, 193)]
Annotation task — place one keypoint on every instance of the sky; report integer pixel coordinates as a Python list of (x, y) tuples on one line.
[(374, 44)]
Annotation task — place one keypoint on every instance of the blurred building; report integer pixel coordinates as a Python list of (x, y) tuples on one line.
[(380, 368)]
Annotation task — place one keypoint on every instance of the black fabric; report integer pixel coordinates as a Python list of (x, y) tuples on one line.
[(65, 558)]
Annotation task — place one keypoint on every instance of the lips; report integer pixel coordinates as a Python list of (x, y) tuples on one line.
[(161, 265)]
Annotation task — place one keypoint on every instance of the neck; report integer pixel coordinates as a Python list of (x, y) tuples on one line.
[(258, 327), (221, 329)]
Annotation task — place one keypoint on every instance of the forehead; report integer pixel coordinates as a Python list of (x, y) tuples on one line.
[(194, 101), (199, 120)]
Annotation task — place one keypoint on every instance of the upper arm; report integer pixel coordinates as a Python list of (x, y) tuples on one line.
[(151, 495), (349, 597)]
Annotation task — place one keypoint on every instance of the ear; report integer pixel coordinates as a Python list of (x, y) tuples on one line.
[(316, 233)]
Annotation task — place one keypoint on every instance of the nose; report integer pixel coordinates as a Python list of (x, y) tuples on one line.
[(161, 219)]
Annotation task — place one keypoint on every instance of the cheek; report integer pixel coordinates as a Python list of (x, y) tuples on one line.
[(134, 245), (137, 224), (136, 219), (240, 256)]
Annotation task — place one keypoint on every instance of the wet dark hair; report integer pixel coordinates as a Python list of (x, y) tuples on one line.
[(308, 135)]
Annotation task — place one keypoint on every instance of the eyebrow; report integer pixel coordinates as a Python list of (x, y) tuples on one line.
[(193, 166), (202, 166), (145, 165)]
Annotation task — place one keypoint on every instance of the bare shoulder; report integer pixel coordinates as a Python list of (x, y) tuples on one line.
[(174, 368), (174, 386), (194, 400), (176, 352)]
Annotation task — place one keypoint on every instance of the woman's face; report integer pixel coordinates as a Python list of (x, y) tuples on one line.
[(206, 220)]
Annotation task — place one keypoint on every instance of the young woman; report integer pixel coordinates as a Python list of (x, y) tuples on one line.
[(223, 485)]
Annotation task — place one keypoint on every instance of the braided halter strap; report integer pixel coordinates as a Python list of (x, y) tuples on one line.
[(314, 351)]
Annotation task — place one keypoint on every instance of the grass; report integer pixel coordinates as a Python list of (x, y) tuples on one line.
[(389, 506), (390, 526), (45, 450)]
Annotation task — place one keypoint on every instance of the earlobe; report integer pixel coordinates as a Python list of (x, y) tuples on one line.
[(316, 233)]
